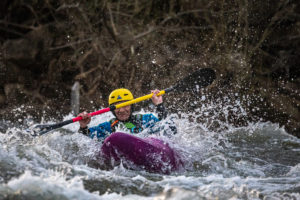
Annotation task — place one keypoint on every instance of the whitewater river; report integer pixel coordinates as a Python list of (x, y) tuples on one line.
[(258, 161)]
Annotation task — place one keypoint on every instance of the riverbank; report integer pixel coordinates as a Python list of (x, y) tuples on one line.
[(47, 47)]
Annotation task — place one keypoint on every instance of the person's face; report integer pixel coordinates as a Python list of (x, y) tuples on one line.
[(123, 113)]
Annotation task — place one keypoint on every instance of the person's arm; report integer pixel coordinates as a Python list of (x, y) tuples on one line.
[(158, 102), (100, 131), (84, 123), (84, 131), (162, 112)]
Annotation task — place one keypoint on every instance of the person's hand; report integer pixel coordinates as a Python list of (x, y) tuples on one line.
[(156, 99), (86, 118)]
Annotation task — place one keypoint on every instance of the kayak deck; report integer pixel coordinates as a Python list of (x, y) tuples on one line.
[(150, 154)]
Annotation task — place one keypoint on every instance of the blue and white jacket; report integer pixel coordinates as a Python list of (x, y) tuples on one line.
[(136, 124)]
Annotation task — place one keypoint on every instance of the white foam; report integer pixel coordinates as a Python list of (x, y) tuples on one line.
[(50, 187)]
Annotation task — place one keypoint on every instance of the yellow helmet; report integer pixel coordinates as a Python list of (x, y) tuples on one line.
[(120, 94)]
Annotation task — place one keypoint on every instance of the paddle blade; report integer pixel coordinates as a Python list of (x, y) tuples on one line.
[(42, 129), (39, 129), (196, 80)]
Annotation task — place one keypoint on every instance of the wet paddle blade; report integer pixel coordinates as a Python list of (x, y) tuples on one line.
[(196, 80), (38, 130), (42, 129)]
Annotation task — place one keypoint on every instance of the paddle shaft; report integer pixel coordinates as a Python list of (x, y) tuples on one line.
[(200, 78), (110, 108), (47, 128), (127, 103)]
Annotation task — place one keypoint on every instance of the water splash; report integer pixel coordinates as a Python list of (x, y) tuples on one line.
[(255, 161)]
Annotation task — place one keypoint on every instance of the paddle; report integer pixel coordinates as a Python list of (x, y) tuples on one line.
[(192, 83)]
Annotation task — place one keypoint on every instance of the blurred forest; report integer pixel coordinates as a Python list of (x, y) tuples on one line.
[(254, 46)]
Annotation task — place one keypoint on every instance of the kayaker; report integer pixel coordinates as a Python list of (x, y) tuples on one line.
[(124, 117)]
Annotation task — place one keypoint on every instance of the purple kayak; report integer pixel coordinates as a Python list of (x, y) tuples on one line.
[(150, 154)]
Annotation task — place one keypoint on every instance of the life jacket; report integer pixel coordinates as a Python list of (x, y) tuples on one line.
[(134, 125)]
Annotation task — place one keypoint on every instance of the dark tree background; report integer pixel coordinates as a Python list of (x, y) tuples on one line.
[(253, 45)]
